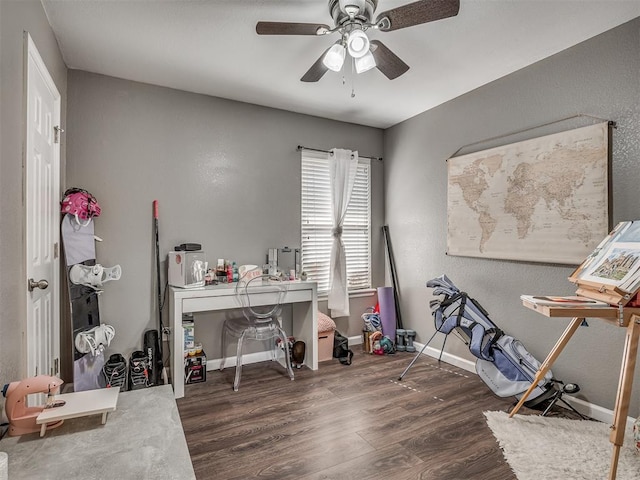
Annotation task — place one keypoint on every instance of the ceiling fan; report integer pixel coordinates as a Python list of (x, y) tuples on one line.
[(352, 18)]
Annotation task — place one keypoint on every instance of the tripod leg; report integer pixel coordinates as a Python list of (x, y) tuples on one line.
[(416, 357), (444, 342), (556, 397)]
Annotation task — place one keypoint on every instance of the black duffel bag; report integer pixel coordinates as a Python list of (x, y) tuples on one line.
[(341, 349)]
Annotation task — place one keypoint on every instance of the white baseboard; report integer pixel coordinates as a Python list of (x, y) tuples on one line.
[(454, 360), (214, 364)]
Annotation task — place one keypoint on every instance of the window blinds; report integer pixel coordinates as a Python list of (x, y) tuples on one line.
[(317, 223)]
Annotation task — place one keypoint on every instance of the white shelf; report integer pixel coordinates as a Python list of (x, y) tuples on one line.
[(80, 404)]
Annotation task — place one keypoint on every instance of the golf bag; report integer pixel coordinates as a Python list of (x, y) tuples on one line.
[(503, 363)]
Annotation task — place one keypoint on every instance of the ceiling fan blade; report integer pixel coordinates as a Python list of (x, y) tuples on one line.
[(387, 61), (285, 28), (316, 71), (417, 13)]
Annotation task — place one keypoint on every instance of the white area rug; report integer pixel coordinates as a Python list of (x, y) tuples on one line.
[(551, 448)]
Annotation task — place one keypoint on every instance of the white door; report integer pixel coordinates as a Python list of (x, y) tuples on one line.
[(42, 224)]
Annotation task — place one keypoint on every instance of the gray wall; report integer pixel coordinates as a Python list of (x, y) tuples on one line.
[(226, 175), (222, 170), (15, 18), (599, 77)]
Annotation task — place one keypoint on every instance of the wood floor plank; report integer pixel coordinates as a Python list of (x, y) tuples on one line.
[(344, 422), (382, 463), (324, 453)]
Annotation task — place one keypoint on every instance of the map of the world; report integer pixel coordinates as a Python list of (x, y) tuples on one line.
[(541, 200)]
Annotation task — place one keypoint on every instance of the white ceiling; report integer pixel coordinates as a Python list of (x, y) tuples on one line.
[(211, 47)]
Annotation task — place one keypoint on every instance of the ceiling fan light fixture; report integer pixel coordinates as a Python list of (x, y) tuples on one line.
[(358, 44), (364, 63), (352, 7), (334, 58)]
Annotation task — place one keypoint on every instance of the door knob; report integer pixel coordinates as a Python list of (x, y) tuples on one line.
[(42, 284)]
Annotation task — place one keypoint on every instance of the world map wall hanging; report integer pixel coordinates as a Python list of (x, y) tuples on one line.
[(540, 200)]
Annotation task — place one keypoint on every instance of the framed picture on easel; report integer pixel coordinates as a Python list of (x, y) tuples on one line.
[(614, 266)]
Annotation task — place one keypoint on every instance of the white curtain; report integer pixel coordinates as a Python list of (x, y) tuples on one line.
[(343, 165)]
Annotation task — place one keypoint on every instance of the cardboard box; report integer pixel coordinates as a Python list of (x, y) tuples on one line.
[(189, 335), (195, 368), (325, 346)]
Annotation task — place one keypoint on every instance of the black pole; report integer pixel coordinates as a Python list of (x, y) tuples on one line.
[(161, 326), (392, 266)]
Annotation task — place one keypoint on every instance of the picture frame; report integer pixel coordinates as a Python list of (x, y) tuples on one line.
[(612, 271)]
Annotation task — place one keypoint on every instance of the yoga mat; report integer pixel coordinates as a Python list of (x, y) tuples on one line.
[(387, 311)]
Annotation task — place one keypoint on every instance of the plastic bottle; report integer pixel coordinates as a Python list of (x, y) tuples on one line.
[(236, 276), (229, 273)]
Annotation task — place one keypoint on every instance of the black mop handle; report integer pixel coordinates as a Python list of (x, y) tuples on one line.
[(155, 220), (392, 267)]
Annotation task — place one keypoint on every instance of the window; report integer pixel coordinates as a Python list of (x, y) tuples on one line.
[(317, 223)]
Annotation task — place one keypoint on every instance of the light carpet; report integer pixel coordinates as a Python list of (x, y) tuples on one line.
[(552, 448)]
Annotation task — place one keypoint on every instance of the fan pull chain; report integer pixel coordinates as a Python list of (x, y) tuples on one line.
[(353, 78)]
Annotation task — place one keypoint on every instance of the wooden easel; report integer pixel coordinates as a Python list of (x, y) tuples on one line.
[(624, 311), (628, 318)]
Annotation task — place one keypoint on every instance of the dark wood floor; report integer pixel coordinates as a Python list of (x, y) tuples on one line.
[(345, 422)]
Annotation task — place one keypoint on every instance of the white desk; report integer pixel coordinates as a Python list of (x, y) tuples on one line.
[(303, 296)]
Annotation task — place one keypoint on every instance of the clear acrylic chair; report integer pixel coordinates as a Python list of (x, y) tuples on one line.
[(261, 299)]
